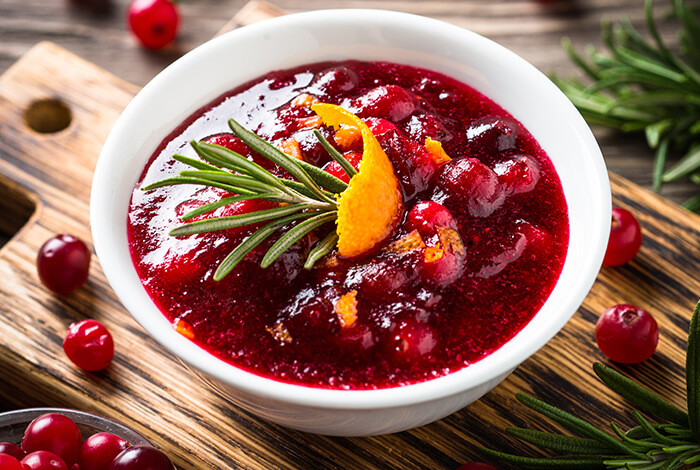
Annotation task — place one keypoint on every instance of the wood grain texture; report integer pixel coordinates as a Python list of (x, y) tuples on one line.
[(147, 389)]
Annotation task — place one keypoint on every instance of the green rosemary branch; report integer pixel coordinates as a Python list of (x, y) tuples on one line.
[(646, 446), (310, 199), (642, 85)]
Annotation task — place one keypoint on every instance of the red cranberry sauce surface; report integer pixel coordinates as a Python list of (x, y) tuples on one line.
[(415, 320)]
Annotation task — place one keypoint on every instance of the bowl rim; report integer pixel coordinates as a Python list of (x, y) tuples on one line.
[(476, 374)]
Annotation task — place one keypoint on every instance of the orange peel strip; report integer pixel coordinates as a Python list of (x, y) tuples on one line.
[(185, 329), (370, 208)]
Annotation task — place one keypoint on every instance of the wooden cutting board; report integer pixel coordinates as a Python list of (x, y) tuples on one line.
[(45, 181)]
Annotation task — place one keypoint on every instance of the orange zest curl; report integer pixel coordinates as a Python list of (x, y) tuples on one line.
[(371, 207)]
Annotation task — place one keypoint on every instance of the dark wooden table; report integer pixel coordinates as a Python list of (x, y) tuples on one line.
[(96, 30)]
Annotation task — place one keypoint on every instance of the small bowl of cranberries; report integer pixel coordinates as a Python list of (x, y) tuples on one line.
[(65, 439), (403, 336)]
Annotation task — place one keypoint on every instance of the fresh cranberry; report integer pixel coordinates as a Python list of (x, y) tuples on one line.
[(153, 22), (98, 451), (476, 466), (471, 184), (12, 449), (141, 458), (63, 263), (43, 460), (390, 102), (89, 345), (9, 462), (519, 174), (491, 134), (334, 168), (625, 238), (55, 433), (627, 334), (426, 216)]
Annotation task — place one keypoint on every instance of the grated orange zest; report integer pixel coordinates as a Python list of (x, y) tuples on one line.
[(313, 122), (371, 206), (346, 308), (280, 333), (184, 328), (433, 253), (291, 147), (409, 242), (451, 240), (437, 153), (304, 100)]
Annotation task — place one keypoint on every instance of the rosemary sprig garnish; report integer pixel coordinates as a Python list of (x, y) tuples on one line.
[(646, 446), (641, 84), (309, 200)]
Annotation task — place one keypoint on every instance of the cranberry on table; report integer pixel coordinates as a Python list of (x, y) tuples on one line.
[(89, 345), (627, 334), (9, 462), (12, 449), (98, 451), (56, 433), (141, 458), (153, 22), (43, 460), (625, 238), (63, 263)]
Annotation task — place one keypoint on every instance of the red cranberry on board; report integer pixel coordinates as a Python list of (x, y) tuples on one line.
[(43, 460), (55, 433), (627, 334), (9, 462), (98, 451), (141, 458), (12, 449), (153, 22), (469, 183), (390, 102), (625, 238), (63, 263), (89, 345)]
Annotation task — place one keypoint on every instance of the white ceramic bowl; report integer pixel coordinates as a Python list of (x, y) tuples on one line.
[(247, 53)]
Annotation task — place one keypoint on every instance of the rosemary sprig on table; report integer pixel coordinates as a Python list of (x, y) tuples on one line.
[(643, 85), (310, 199), (646, 446)]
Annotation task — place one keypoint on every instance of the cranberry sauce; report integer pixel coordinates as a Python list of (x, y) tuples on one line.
[(478, 251)]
